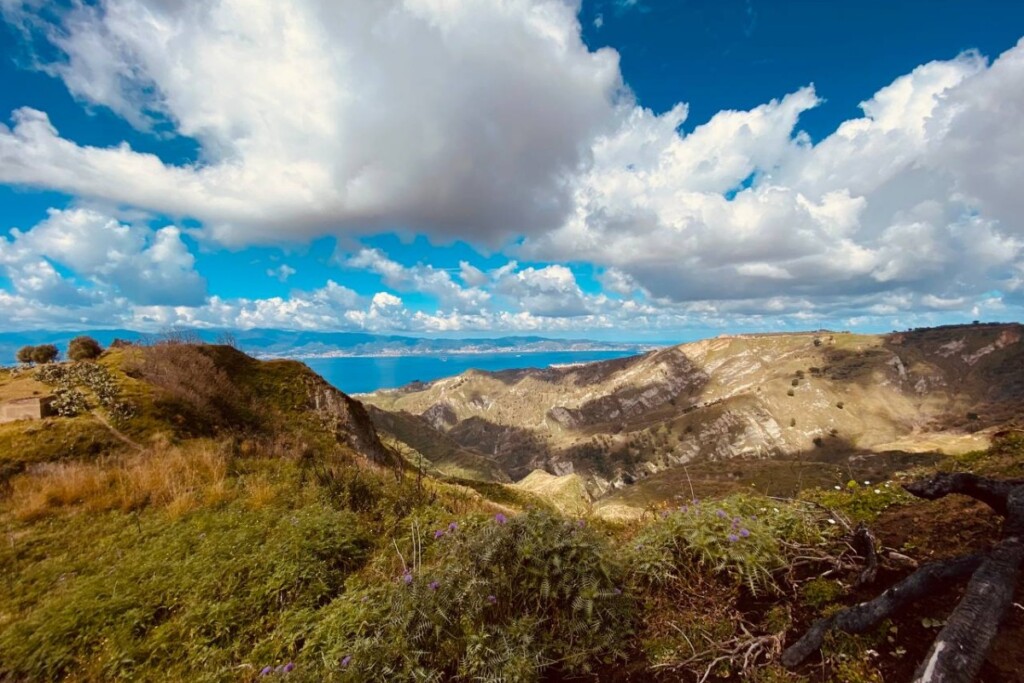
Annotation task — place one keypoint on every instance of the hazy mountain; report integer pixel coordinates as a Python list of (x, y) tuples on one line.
[(298, 344)]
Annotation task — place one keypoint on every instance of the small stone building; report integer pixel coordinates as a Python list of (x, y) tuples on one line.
[(31, 408)]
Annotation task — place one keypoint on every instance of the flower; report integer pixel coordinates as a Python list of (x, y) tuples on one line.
[(453, 526), (878, 490), (267, 670), (664, 514), (407, 577), (831, 521), (434, 585), (438, 534), (288, 667), (744, 533), (491, 599), (346, 661), (617, 591), (720, 514), (500, 518), (733, 538), (837, 487), (581, 523)]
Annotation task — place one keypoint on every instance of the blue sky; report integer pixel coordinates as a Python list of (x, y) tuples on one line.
[(621, 169)]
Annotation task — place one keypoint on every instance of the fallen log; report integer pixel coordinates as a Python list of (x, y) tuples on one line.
[(959, 650)]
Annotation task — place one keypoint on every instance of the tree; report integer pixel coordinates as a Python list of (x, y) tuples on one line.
[(45, 353), (25, 354), (84, 348)]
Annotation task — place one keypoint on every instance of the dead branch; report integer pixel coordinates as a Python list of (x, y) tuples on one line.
[(959, 651)]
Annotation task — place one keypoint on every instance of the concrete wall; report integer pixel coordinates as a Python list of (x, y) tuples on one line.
[(32, 408)]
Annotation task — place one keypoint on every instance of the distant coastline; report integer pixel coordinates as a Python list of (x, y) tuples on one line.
[(468, 351)]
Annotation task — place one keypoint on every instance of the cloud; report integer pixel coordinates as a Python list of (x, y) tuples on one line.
[(453, 117), (105, 257), (551, 291), (421, 278), (915, 198), (492, 122), (282, 272)]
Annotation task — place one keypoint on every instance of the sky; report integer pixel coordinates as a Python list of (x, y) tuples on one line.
[(612, 169)]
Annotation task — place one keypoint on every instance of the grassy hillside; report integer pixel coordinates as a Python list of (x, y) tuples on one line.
[(210, 517), (784, 396)]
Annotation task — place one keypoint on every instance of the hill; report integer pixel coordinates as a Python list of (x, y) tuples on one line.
[(815, 397), (195, 514)]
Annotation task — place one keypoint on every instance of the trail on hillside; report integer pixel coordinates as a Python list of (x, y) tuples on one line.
[(115, 431)]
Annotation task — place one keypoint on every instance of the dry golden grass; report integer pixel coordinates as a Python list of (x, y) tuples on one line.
[(177, 478), (261, 492)]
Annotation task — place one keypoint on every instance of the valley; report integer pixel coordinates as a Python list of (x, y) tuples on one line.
[(773, 412)]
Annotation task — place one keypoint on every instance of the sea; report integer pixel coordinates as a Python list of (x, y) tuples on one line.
[(363, 374)]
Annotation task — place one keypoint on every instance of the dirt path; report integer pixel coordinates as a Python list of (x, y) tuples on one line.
[(113, 430)]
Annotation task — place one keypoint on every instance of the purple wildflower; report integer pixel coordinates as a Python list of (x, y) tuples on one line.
[(288, 667), (492, 600), (720, 514), (500, 518), (438, 534), (346, 661), (744, 533), (664, 514), (407, 577), (733, 538), (267, 670), (453, 526), (581, 523), (434, 585), (617, 591)]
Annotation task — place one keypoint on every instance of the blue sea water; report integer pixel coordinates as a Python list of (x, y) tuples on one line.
[(359, 374)]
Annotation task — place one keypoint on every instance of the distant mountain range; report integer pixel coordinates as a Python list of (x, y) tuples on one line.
[(267, 343)]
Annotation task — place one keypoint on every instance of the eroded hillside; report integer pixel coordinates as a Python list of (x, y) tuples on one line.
[(756, 396)]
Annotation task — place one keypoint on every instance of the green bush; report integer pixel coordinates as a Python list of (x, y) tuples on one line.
[(737, 537), (84, 348), (45, 353), (495, 599)]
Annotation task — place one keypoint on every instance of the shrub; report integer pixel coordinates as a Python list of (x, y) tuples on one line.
[(45, 353), (69, 402), (192, 383), (67, 377), (492, 600), (736, 538), (84, 348), (25, 354), (860, 503)]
